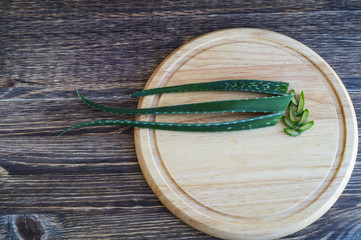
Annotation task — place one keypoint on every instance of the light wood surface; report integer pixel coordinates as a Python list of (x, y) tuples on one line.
[(256, 184)]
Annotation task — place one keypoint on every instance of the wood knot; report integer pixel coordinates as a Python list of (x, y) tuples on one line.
[(29, 228), (11, 82)]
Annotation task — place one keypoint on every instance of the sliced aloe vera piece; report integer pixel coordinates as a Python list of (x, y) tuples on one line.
[(292, 132), (292, 112), (294, 99), (304, 117), (288, 122), (306, 126), (301, 104), (250, 85)]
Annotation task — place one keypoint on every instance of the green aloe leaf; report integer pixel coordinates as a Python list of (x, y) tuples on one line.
[(244, 124), (262, 105), (250, 85)]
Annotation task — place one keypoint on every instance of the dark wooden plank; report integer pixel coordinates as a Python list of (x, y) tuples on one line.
[(50, 10), (111, 52), (62, 108), (109, 192)]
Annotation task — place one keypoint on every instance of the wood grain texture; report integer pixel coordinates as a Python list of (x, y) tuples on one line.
[(89, 183), (246, 185)]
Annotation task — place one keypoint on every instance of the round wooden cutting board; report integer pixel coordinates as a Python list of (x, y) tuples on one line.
[(253, 184)]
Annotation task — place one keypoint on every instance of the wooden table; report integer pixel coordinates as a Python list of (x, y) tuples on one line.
[(87, 184)]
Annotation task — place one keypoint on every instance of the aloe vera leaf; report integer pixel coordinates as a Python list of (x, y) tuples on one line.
[(292, 112), (301, 104), (288, 122), (292, 132), (304, 117), (244, 124), (265, 105), (263, 86), (294, 99), (306, 126)]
